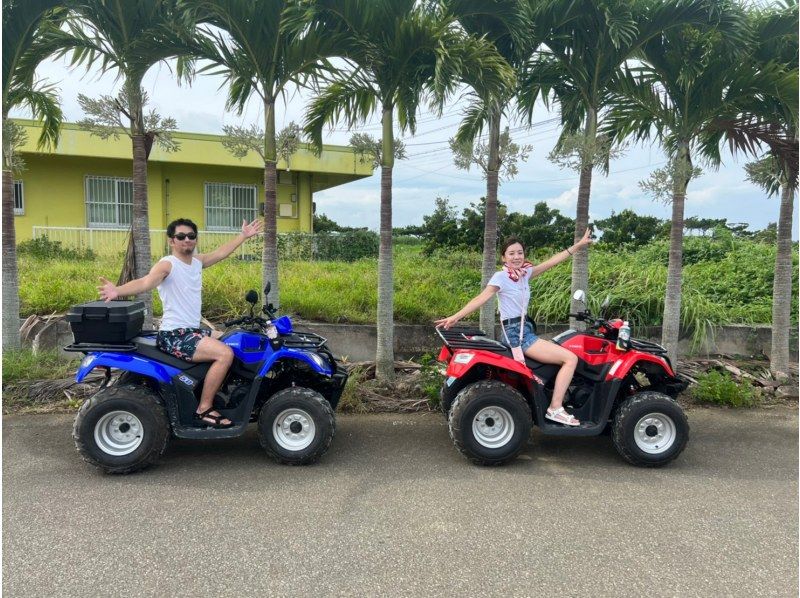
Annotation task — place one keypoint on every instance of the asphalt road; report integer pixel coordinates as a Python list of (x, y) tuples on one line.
[(393, 509)]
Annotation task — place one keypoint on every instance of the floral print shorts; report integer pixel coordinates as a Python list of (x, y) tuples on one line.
[(181, 342)]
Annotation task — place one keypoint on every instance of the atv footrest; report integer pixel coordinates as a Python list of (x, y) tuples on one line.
[(586, 428)]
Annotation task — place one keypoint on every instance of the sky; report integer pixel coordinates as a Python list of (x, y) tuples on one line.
[(429, 172)]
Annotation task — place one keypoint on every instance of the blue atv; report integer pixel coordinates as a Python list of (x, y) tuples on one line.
[(287, 382)]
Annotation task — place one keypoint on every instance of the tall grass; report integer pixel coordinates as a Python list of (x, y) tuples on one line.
[(728, 285)]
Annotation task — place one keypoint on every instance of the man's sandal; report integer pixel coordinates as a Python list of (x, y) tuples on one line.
[(560, 416), (216, 420)]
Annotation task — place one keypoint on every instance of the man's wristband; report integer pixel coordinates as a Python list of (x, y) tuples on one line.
[(568, 251)]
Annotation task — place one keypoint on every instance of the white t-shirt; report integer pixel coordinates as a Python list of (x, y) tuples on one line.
[(180, 294), (512, 297)]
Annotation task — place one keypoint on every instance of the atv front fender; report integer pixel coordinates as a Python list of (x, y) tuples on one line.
[(623, 365)]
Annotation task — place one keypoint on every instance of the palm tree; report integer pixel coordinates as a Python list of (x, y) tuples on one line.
[(130, 38), (695, 90), (775, 32), (256, 54), (583, 55), (400, 49), (508, 25), (23, 20)]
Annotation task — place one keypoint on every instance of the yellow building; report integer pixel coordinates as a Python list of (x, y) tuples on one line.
[(85, 185)]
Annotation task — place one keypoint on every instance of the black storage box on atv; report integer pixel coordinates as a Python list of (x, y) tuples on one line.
[(106, 322)]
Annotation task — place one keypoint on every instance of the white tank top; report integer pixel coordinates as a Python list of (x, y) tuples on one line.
[(180, 294)]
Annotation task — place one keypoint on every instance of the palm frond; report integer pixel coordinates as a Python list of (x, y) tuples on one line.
[(350, 101)]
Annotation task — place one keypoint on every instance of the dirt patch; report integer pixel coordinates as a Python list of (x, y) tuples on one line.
[(414, 389)]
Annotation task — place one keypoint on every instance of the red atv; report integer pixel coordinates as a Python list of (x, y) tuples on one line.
[(491, 400)]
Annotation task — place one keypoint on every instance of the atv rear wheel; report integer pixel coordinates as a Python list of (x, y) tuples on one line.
[(490, 422), (650, 429), (296, 426), (121, 429)]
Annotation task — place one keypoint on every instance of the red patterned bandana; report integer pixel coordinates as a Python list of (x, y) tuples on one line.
[(515, 273)]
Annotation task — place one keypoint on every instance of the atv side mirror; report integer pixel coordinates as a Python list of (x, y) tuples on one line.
[(251, 297), (267, 287), (580, 296), (606, 302)]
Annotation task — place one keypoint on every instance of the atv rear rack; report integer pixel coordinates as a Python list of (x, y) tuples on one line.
[(469, 337), (94, 347)]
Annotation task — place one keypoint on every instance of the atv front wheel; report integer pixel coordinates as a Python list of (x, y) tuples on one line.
[(650, 429), (490, 422), (121, 429), (296, 426)]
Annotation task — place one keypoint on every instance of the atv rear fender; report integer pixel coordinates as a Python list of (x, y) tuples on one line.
[(128, 363)]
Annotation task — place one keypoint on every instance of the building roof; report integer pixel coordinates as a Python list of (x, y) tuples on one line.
[(195, 148)]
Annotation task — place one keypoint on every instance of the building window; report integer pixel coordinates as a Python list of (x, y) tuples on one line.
[(109, 202), (227, 204), (19, 199)]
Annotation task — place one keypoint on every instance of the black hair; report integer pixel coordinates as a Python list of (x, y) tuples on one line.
[(180, 222), (509, 241)]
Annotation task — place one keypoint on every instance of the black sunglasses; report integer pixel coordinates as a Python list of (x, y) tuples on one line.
[(182, 236)]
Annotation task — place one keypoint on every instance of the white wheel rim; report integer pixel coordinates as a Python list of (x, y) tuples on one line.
[(294, 429), (655, 433), (118, 433), (493, 427)]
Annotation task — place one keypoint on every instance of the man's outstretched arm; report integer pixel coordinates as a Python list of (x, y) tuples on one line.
[(109, 291), (223, 251)]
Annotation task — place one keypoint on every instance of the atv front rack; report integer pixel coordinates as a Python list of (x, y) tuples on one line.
[(469, 337), (304, 340), (647, 346)]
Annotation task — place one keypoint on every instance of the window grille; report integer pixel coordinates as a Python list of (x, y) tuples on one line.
[(19, 199), (109, 202), (227, 204)]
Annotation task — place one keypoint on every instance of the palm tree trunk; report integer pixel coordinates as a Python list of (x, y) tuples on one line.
[(782, 287), (269, 258), (671, 322), (384, 355), (490, 221), (10, 275), (140, 228), (580, 261)]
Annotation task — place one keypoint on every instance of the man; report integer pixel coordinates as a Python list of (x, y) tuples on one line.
[(179, 279)]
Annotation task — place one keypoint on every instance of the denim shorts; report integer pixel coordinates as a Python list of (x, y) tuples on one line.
[(512, 331), (181, 342)]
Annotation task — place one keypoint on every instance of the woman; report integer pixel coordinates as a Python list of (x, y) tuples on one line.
[(512, 287)]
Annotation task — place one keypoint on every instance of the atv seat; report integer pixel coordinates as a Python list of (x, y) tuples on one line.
[(146, 347), (547, 371)]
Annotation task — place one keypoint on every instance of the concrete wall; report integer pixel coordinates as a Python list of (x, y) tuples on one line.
[(357, 342)]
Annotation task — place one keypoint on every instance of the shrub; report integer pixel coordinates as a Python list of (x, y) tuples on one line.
[(430, 379), (328, 246), (44, 248), (719, 388)]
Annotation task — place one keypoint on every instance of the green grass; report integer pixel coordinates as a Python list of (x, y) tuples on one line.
[(727, 285), (24, 365)]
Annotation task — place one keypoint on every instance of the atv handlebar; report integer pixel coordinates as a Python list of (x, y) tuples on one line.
[(586, 316), (246, 320)]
